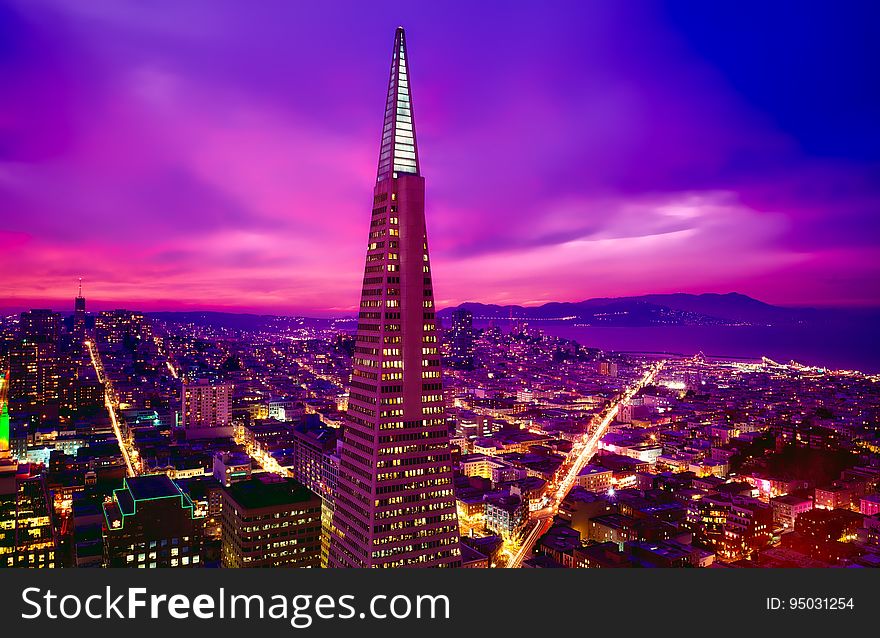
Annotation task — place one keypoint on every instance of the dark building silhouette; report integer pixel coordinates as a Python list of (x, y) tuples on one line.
[(461, 340)]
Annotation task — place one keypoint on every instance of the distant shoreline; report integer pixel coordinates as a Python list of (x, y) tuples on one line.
[(822, 346)]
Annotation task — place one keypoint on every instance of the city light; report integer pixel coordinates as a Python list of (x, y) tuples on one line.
[(580, 455), (108, 402), (275, 375)]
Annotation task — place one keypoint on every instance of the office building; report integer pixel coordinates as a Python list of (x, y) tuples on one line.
[(395, 505), (27, 533), (151, 522), (34, 379), (270, 521), (205, 412), (79, 315), (40, 326), (461, 340), (313, 456)]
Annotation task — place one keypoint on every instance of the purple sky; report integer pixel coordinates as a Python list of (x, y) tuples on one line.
[(222, 154)]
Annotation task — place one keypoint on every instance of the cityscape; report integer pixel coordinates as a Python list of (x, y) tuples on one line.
[(131, 441), (406, 432)]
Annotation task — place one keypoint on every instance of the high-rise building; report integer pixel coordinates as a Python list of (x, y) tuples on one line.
[(270, 521), (27, 534), (5, 428), (8, 466), (34, 375), (34, 363), (607, 368), (88, 391), (40, 326), (79, 314), (461, 340), (151, 522), (395, 505), (117, 329), (205, 412), (316, 465), (314, 445)]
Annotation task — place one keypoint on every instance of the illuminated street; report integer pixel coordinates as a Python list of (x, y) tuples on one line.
[(109, 401), (580, 455)]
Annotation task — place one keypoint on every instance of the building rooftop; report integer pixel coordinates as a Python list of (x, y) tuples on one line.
[(258, 492), (542, 562), (484, 544), (470, 555), (604, 554), (507, 502), (530, 484), (579, 494), (791, 499), (593, 469), (232, 458), (198, 487), (152, 486), (561, 538), (669, 550), (141, 488), (85, 507)]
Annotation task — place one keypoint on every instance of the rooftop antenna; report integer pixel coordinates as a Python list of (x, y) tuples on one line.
[(80, 287)]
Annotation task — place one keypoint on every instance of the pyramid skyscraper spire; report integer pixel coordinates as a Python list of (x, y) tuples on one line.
[(394, 505), (398, 151)]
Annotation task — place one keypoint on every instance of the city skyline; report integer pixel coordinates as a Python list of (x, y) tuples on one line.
[(188, 156), (206, 157)]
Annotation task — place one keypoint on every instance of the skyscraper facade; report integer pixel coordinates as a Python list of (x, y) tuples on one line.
[(461, 343), (5, 429), (395, 505), (205, 411), (40, 326), (79, 314), (27, 529), (271, 522), (34, 377)]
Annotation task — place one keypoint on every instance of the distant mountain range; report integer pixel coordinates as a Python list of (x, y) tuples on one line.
[(242, 321), (678, 309), (651, 310)]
